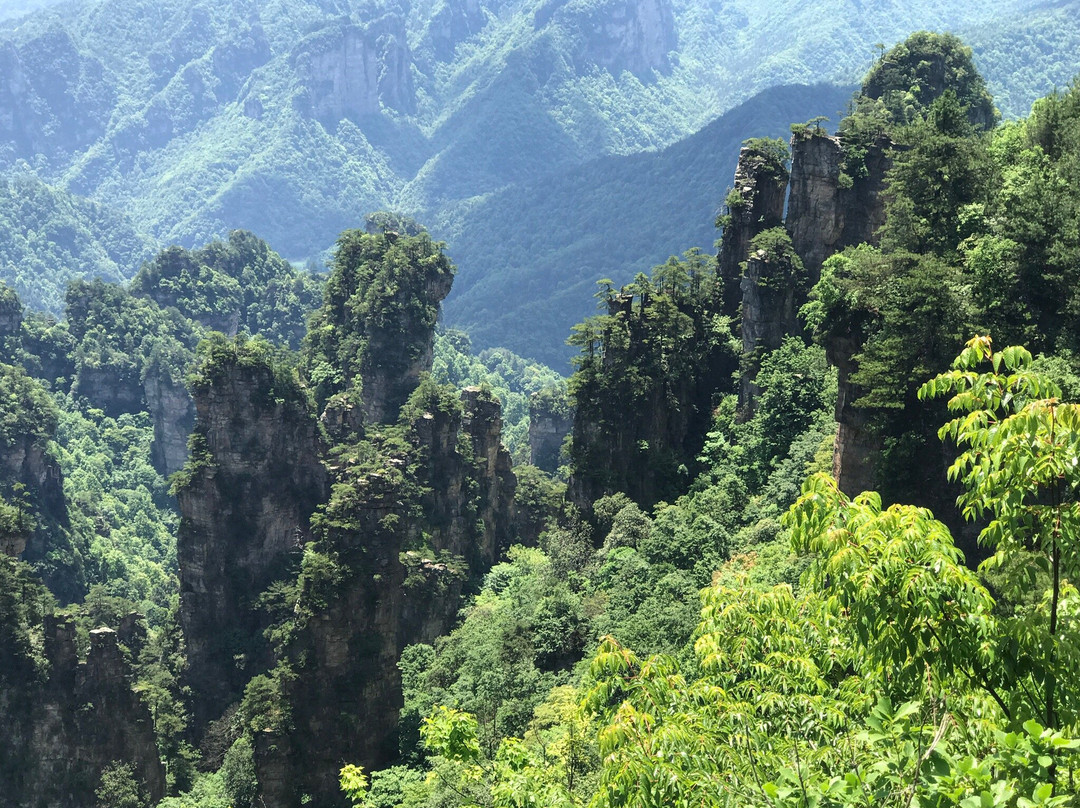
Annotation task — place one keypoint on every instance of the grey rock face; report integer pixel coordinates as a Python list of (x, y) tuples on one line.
[(352, 71), (548, 428), (392, 596), (29, 462), (761, 193), (173, 411), (825, 216), (61, 733), (244, 514), (452, 23), (770, 308), (856, 447), (633, 35), (393, 362)]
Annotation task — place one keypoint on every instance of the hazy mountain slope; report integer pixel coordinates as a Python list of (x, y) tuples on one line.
[(295, 119), (10, 9), (241, 114), (531, 254), (1025, 58), (48, 237)]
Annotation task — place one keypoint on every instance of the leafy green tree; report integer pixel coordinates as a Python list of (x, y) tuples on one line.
[(119, 789), (912, 75), (937, 172), (895, 677)]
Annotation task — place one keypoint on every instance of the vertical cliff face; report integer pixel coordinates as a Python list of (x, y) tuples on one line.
[(491, 469), (453, 22), (550, 421), (755, 204), (827, 213), (774, 286), (173, 411), (815, 215), (61, 731), (27, 461), (644, 390), (405, 532), (374, 335), (634, 35), (32, 485), (352, 71), (856, 447), (245, 505), (363, 526), (828, 209)]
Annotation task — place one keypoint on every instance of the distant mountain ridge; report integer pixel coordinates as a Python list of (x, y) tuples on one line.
[(295, 119)]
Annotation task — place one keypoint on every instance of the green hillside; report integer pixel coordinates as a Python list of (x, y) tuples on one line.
[(498, 123), (228, 114), (534, 251), (49, 236)]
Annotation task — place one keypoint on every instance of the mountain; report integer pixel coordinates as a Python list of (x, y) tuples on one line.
[(49, 236), (534, 251), (293, 120)]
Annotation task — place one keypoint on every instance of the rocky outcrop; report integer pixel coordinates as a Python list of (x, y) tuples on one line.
[(633, 35), (61, 732), (453, 22), (28, 461), (404, 567), (245, 501), (491, 468), (641, 413), (352, 71), (376, 327), (815, 215), (392, 364), (755, 204), (52, 97), (828, 208), (31, 480), (11, 316), (773, 288), (115, 387), (856, 446), (173, 411), (833, 205), (550, 421)]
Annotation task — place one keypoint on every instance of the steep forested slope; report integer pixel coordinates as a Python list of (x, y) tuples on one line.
[(49, 236), (341, 501), (537, 248)]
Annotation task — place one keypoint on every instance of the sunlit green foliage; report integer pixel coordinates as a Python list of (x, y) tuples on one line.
[(912, 75), (380, 306), (511, 378), (119, 504), (236, 284), (947, 699), (48, 237)]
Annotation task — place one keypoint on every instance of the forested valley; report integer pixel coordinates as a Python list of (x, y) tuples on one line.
[(801, 528)]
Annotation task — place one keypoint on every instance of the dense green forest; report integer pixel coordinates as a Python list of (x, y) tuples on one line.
[(340, 591), (842, 652)]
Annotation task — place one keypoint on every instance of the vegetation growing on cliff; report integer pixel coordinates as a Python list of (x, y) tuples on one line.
[(877, 668), (762, 641)]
